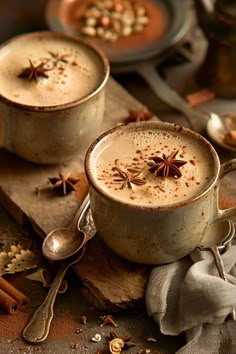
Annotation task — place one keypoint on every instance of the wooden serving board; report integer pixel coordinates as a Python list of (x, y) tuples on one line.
[(109, 282)]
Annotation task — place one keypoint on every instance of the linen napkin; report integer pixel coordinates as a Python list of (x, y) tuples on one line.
[(197, 295)]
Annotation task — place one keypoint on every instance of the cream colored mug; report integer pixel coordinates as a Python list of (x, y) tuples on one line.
[(154, 190), (51, 96)]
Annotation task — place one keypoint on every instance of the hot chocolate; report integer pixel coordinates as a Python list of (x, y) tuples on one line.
[(73, 70), (122, 164)]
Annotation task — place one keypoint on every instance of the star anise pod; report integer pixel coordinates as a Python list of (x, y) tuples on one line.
[(57, 58), (107, 319), (141, 115), (125, 339), (33, 72), (128, 178), (64, 184), (165, 166)]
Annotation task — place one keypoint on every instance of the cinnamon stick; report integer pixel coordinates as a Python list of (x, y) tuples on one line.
[(21, 299), (199, 97), (8, 303)]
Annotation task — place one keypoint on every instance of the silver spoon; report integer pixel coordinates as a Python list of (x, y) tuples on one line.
[(62, 243), (38, 327)]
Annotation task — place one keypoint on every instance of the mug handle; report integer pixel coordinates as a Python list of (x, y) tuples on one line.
[(229, 213)]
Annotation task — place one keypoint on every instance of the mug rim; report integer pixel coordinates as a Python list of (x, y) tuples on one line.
[(71, 104), (178, 128)]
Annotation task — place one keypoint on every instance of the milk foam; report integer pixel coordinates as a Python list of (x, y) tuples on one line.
[(70, 79), (132, 150)]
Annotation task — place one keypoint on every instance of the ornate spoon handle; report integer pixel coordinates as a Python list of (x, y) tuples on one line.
[(38, 327)]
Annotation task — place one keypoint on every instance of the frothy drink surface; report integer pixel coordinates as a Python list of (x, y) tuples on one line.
[(74, 71), (130, 152)]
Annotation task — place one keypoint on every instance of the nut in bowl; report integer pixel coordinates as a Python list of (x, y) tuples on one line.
[(154, 190), (51, 96)]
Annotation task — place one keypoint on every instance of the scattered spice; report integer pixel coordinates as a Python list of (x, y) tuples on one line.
[(116, 340), (74, 346), (64, 184), (128, 178), (165, 166), (83, 319), (140, 115), (33, 72), (116, 345), (78, 330), (96, 338), (108, 319)]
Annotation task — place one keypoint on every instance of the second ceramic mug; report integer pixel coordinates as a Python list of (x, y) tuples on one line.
[(154, 190), (51, 96)]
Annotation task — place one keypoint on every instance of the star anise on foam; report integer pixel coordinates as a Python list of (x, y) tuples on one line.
[(141, 115), (32, 72), (58, 57), (165, 166), (128, 178), (64, 184)]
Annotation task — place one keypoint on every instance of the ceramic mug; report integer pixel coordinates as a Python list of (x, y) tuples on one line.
[(51, 96), (154, 190)]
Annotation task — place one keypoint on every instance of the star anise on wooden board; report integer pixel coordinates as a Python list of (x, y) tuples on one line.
[(165, 166), (140, 115), (64, 184), (107, 319), (33, 72), (128, 178)]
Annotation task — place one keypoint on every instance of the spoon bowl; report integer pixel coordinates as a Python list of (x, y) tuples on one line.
[(62, 243), (217, 127)]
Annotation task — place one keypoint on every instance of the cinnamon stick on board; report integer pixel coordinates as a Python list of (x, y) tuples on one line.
[(8, 303), (21, 299)]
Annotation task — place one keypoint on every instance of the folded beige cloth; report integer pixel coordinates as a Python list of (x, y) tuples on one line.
[(196, 295)]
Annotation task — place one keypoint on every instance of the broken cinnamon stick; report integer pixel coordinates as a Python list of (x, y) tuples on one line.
[(21, 299), (8, 303), (199, 97)]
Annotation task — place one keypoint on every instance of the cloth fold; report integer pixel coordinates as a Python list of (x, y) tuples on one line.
[(194, 296)]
